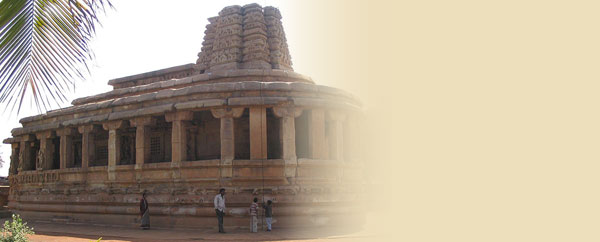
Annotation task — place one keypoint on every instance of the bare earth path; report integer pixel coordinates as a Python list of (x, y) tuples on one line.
[(55, 232)]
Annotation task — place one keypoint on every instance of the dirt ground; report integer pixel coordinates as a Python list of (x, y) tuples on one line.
[(55, 232)]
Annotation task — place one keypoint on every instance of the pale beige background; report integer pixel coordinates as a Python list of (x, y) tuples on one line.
[(484, 115)]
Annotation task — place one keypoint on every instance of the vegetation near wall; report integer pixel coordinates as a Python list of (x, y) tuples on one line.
[(15, 231)]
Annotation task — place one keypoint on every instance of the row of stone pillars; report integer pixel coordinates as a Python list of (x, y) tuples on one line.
[(180, 122)]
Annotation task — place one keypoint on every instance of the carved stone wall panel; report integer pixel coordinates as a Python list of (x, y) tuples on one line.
[(14, 159), (255, 33), (256, 56), (232, 41), (231, 10), (226, 55), (254, 16), (255, 27), (232, 19), (256, 45), (234, 29)]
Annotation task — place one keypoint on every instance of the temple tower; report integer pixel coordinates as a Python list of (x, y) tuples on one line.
[(248, 37)]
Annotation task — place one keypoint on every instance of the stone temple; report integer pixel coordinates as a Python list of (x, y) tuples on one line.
[(239, 118)]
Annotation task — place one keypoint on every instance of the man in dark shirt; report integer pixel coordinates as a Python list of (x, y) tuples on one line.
[(268, 214), (144, 212)]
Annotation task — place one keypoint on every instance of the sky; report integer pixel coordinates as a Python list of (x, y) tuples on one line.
[(140, 36)]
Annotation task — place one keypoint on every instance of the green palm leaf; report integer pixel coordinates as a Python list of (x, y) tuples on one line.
[(44, 49)]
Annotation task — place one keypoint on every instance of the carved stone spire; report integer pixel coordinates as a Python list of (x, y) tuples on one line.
[(248, 37)]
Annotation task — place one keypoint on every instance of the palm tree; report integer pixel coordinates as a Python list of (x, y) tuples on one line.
[(44, 49)]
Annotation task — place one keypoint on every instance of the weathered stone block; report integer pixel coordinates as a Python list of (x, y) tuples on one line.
[(235, 9)]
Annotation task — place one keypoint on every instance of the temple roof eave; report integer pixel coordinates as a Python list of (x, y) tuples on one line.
[(167, 92), (151, 74), (11, 140), (190, 105), (198, 78)]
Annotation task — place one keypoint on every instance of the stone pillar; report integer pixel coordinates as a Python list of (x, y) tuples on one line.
[(114, 146), (25, 153), (227, 137), (316, 134), (179, 134), (180, 122), (337, 147), (46, 153), (288, 137), (258, 133), (66, 147), (352, 137), (88, 146), (142, 139), (14, 159)]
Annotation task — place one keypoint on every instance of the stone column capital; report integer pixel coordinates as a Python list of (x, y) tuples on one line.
[(227, 112), (142, 121), (179, 116), (13, 140), (87, 128), (287, 111), (65, 131), (27, 137), (44, 134), (113, 125)]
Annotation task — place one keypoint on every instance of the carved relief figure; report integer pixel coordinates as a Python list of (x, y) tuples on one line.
[(189, 144), (126, 150), (39, 160), (14, 162), (21, 161)]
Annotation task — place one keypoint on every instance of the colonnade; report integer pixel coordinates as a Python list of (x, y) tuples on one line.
[(325, 139)]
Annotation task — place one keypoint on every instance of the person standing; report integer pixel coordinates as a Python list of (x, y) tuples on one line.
[(253, 215), (268, 214), (220, 208), (144, 212)]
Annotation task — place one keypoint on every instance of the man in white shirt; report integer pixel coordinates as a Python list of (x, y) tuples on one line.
[(220, 208)]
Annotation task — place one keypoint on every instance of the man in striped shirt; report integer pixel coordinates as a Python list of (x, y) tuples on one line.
[(220, 208), (254, 215)]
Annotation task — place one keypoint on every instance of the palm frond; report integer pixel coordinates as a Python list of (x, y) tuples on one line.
[(44, 49)]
